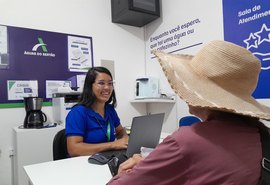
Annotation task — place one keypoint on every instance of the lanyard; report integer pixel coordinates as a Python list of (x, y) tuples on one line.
[(108, 134), (109, 131)]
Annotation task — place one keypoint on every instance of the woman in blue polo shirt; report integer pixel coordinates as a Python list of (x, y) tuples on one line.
[(93, 125)]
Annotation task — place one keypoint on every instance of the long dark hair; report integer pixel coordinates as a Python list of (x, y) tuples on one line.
[(88, 98)]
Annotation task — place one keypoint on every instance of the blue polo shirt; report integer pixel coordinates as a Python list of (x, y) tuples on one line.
[(83, 121)]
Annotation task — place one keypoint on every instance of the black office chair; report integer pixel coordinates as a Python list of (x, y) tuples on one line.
[(60, 145)]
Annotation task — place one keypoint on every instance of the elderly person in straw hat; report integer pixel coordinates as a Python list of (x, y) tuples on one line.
[(225, 148)]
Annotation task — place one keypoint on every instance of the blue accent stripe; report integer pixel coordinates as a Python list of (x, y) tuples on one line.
[(182, 48)]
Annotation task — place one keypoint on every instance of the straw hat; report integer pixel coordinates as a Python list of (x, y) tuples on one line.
[(221, 76)]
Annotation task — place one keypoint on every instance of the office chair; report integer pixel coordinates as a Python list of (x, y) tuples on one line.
[(188, 120), (60, 145)]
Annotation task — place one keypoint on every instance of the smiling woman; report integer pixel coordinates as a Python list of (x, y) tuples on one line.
[(103, 83), (93, 125)]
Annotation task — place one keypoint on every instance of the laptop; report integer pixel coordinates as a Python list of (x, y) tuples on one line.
[(145, 132)]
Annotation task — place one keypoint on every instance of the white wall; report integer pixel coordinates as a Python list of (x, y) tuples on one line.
[(176, 13), (120, 43)]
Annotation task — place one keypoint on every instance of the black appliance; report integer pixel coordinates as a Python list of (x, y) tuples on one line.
[(34, 116), (135, 12)]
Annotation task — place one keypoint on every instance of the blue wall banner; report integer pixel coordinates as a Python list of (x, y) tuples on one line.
[(35, 55), (246, 23)]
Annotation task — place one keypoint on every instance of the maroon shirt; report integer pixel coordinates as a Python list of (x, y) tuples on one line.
[(212, 152)]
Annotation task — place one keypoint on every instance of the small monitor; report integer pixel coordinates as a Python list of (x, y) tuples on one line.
[(135, 12), (147, 6)]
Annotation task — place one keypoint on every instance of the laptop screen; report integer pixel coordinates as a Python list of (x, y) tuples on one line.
[(145, 132)]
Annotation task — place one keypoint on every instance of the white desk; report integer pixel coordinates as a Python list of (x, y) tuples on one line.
[(70, 171)]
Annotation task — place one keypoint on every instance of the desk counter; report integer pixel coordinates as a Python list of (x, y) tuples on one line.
[(70, 171)]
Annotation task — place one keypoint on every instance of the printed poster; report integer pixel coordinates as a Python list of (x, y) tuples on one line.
[(17, 89), (247, 24), (4, 57), (79, 54), (55, 86)]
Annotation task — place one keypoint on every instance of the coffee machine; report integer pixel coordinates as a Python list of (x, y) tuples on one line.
[(34, 116)]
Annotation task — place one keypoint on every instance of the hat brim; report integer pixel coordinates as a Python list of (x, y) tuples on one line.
[(199, 91)]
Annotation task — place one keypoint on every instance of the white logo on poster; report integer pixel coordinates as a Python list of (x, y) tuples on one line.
[(255, 40)]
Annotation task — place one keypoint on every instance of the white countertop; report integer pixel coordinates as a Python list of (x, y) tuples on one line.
[(72, 171)]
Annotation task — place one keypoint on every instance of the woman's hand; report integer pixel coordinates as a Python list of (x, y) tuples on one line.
[(130, 163), (120, 143), (122, 138)]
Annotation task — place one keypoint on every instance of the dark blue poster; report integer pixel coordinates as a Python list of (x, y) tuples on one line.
[(247, 23), (41, 56)]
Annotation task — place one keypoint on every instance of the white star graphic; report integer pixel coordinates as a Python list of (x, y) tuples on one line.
[(251, 41), (263, 34)]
